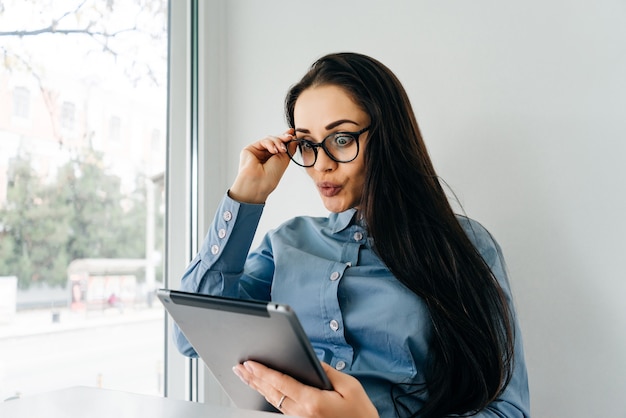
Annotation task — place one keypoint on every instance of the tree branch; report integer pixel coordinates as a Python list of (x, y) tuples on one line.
[(53, 30)]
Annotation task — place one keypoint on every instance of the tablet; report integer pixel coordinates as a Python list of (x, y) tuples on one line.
[(225, 332)]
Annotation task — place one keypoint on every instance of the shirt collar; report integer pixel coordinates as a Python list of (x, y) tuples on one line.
[(340, 221)]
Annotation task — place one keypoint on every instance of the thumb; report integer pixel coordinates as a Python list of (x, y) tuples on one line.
[(338, 379)]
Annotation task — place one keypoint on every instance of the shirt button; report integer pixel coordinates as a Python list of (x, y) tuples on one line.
[(334, 276), (340, 365), (215, 249), (221, 233), (334, 325), (358, 236), (227, 216)]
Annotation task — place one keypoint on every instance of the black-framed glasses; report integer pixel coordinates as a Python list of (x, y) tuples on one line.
[(341, 147)]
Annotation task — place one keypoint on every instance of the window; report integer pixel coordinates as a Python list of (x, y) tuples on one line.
[(68, 116), (21, 102), (115, 129), (81, 225)]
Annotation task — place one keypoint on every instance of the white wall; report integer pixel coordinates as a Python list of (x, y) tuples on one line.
[(523, 107)]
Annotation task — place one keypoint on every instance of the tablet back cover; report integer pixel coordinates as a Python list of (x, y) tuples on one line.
[(225, 332)]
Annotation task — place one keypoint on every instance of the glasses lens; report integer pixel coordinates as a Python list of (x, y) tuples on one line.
[(302, 152), (342, 147)]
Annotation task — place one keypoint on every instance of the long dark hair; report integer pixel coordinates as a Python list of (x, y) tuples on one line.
[(418, 236)]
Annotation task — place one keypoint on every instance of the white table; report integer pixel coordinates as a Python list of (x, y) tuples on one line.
[(84, 402)]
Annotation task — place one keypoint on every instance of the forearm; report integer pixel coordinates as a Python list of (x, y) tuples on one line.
[(218, 266), (219, 263)]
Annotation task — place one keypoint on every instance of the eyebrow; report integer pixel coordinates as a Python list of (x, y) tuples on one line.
[(329, 126)]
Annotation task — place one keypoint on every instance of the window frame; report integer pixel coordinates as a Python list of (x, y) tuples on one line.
[(195, 151)]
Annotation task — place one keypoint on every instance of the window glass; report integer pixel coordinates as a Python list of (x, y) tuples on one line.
[(115, 128), (81, 194), (21, 102), (67, 116)]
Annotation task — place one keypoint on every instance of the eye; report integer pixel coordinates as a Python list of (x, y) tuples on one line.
[(342, 140), (305, 146)]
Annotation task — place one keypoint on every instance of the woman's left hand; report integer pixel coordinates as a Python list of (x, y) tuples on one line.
[(348, 399)]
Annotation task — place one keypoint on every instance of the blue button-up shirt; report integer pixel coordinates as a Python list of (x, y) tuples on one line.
[(359, 317)]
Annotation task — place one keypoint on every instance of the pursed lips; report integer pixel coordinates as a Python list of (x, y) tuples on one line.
[(328, 189)]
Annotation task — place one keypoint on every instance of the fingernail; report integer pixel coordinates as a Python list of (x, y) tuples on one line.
[(248, 367), (283, 147)]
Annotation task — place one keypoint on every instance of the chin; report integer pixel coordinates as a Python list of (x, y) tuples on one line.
[(335, 207)]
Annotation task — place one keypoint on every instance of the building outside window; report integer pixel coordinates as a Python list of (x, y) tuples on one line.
[(80, 257)]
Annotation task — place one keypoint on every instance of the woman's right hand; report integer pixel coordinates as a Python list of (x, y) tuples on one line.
[(347, 399), (261, 166)]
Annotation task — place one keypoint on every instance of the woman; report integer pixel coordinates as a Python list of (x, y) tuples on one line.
[(406, 304)]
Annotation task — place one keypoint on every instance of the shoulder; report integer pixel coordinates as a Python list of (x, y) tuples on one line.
[(482, 240)]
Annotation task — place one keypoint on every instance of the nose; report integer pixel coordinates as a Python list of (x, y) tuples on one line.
[(324, 162)]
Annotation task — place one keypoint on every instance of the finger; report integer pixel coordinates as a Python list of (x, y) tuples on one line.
[(278, 381), (331, 372), (285, 138), (276, 144), (263, 149), (287, 135), (273, 144), (273, 383), (281, 402), (338, 379), (254, 377)]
